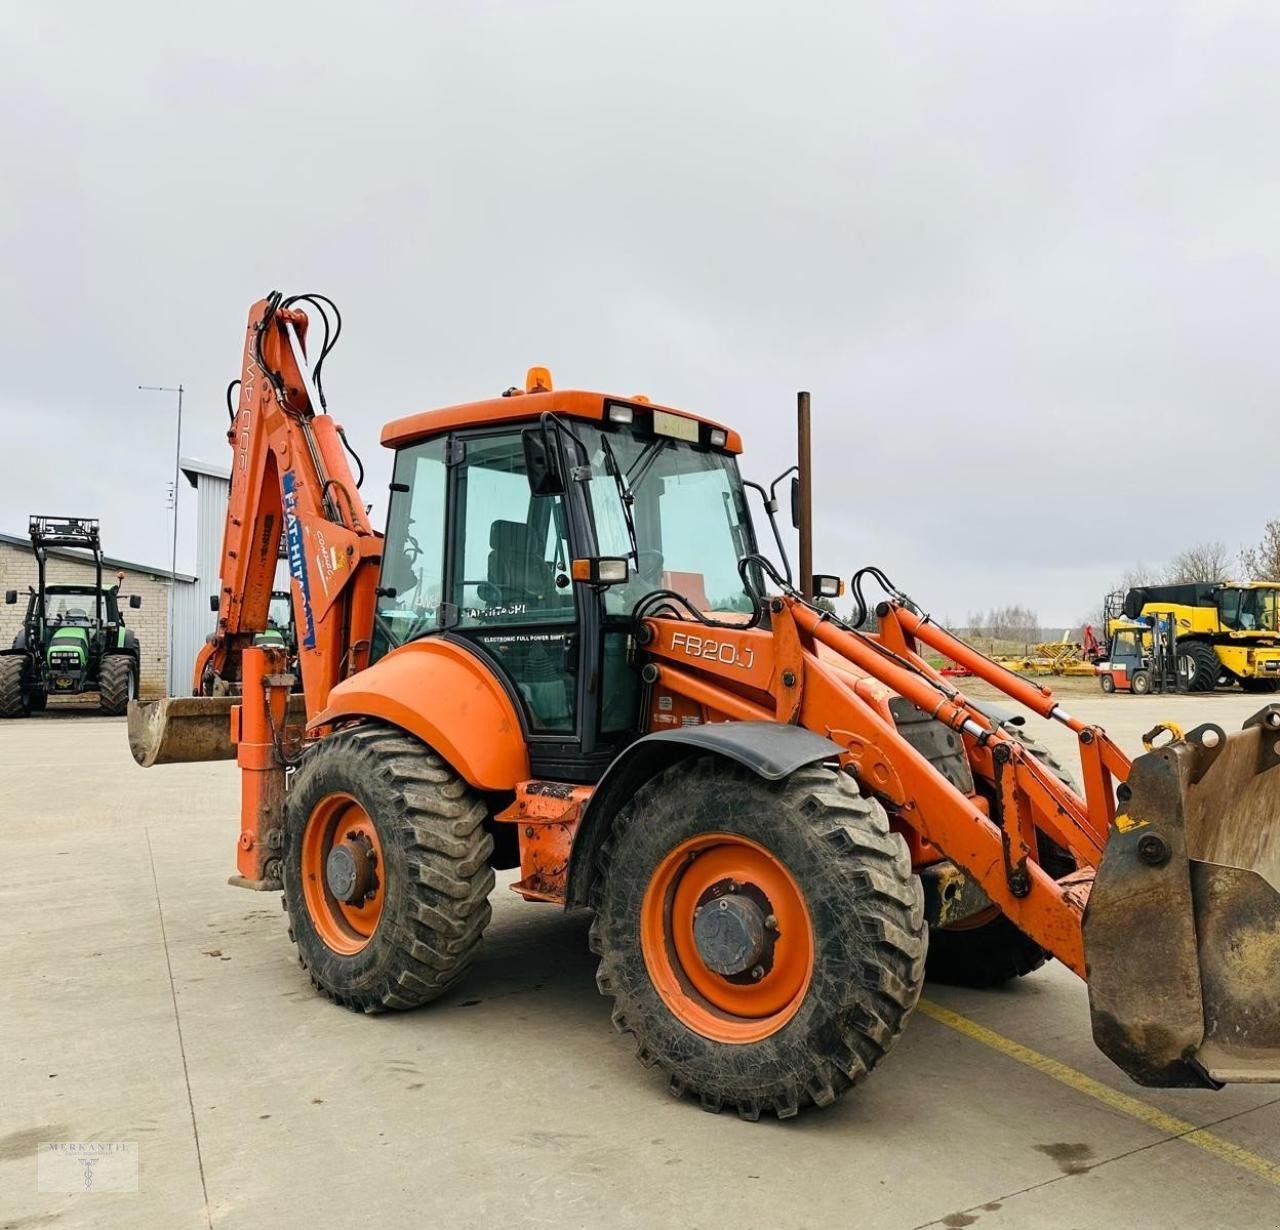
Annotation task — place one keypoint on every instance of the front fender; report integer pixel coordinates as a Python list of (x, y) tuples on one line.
[(773, 750), (448, 698)]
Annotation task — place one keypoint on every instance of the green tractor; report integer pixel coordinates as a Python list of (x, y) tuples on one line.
[(280, 631), (73, 638)]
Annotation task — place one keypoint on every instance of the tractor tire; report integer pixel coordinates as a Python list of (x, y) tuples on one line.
[(993, 953), (1260, 685), (408, 835), (809, 872), (1140, 683), (38, 699), (15, 697), (117, 684), (1198, 667)]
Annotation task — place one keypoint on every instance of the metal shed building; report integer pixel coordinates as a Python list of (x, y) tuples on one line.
[(67, 565), (193, 620)]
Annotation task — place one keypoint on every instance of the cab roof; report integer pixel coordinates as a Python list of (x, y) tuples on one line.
[(517, 406)]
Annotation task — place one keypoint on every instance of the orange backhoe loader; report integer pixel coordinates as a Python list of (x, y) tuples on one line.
[(568, 656)]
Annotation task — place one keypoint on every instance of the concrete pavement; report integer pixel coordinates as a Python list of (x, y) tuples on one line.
[(145, 1000)]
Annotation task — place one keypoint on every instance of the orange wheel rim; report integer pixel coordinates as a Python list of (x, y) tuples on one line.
[(344, 919), (763, 911)]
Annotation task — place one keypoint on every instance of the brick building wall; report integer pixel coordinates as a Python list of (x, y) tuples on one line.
[(150, 622)]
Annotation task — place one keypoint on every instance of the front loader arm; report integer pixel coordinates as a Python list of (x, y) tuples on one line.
[(290, 478), (753, 674)]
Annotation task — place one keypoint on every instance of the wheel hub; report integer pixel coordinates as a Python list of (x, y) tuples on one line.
[(729, 933), (348, 870)]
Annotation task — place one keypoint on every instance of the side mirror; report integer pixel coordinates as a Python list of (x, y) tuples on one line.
[(135, 601), (601, 570), (540, 463), (10, 597), (795, 502)]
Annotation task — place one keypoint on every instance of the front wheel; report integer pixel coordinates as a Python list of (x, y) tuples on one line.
[(386, 869), (988, 950), (117, 684), (1198, 667), (763, 942), (15, 695)]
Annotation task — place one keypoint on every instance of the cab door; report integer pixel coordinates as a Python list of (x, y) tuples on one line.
[(510, 596)]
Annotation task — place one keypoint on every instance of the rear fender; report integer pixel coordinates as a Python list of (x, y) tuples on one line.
[(771, 750), (442, 694)]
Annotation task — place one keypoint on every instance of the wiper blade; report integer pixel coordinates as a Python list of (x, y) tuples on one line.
[(624, 495), (644, 463)]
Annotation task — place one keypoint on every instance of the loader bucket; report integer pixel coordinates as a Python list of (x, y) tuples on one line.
[(181, 729), (1182, 929)]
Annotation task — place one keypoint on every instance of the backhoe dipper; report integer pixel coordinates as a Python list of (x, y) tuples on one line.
[(567, 656)]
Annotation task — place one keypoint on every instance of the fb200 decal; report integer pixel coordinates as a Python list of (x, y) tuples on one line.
[(713, 650)]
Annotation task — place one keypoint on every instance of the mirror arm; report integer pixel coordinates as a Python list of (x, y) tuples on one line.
[(771, 508)]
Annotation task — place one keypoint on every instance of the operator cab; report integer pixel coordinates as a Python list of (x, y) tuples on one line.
[(75, 604), (487, 519), (1250, 608), (1128, 664)]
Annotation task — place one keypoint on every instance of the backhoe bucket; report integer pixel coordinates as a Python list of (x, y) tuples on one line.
[(181, 729), (1182, 930)]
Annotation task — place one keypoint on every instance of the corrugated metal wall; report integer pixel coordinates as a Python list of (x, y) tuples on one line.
[(193, 620)]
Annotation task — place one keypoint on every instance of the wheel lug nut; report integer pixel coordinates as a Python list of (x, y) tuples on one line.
[(724, 904), (757, 973)]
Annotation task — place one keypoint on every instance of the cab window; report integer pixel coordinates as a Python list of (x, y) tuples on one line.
[(511, 550), (413, 553)]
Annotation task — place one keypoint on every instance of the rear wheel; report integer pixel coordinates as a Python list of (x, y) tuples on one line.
[(1260, 685), (386, 870), (15, 699), (117, 684), (989, 950), (1198, 667), (1108, 682), (762, 941)]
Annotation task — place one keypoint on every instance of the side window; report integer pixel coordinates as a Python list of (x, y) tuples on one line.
[(413, 553), (511, 551)]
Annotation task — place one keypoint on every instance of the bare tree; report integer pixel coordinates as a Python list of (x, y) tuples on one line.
[(1262, 562), (1204, 562)]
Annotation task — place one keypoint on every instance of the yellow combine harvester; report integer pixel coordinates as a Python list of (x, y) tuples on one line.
[(1226, 633)]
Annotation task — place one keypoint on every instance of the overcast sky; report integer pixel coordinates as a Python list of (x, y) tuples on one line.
[(1024, 255)]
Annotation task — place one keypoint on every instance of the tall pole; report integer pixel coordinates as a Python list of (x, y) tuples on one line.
[(173, 556), (804, 463)]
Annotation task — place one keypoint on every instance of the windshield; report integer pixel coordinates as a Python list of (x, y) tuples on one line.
[(66, 604), (278, 612), (1248, 610), (691, 520)]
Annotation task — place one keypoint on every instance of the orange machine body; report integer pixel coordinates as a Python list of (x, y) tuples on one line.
[(795, 666)]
